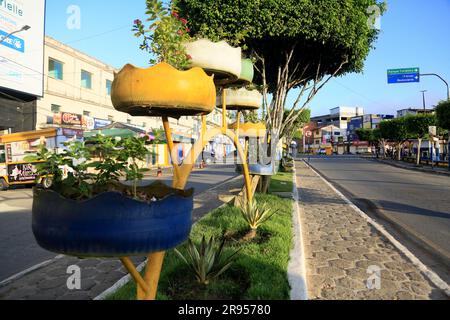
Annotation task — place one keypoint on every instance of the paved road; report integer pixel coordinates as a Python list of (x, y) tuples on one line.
[(18, 249), (416, 201)]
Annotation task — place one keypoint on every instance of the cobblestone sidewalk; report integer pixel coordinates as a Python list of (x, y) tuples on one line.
[(97, 275), (344, 252)]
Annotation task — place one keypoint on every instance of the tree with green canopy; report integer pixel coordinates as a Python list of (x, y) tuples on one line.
[(395, 130), (443, 120), (418, 128), (373, 136), (296, 44)]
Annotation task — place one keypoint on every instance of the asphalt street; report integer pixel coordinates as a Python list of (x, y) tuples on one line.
[(416, 202), (18, 249)]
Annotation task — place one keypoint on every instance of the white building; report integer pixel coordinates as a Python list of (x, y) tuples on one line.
[(339, 117)]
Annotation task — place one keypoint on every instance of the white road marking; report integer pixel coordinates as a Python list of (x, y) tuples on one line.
[(29, 270)]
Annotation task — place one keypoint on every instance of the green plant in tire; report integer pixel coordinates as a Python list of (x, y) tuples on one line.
[(208, 261), (255, 215), (134, 151)]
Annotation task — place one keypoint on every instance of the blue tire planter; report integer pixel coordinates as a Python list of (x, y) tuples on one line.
[(110, 224), (261, 170)]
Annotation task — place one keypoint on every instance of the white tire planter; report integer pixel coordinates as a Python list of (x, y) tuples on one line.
[(217, 58)]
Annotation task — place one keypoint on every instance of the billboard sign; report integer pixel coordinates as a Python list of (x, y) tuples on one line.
[(100, 123), (22, 51), (22, 172), (68, 119)]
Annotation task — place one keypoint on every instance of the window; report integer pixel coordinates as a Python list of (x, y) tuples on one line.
[(144, 124), (110, 118), (129, 121), (2, 154), (55, 69), (56, 108), (108, 87), (86, 113), (86, 79)]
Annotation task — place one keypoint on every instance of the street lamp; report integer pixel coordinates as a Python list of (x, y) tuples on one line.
[(24, 28), (424, 102)]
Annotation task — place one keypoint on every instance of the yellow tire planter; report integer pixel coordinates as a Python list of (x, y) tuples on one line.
[(216, 58), (250, 130), (241, 99), (162, 90)]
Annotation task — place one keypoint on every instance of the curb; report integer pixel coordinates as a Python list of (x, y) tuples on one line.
[(297, 266), (442, 173), (431, 275)]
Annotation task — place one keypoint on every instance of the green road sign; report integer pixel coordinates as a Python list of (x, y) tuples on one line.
[(404, 71)]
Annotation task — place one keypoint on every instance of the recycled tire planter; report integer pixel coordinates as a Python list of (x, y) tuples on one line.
[(110, 224), (242, 99), (247, 73), (261, 170), (216, 58), (250, 130), (162, 90)]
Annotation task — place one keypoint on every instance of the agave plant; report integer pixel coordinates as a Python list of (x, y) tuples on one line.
[(207, 262), (255, 216)]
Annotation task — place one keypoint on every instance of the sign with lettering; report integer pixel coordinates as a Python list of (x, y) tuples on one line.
[(66, 118), (25, 172)]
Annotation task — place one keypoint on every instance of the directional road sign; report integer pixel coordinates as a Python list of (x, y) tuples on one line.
[(407, 75)]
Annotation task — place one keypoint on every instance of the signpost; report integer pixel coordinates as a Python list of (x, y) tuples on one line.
[(406, 75)]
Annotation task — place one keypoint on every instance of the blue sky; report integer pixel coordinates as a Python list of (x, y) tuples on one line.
[(414, 33)]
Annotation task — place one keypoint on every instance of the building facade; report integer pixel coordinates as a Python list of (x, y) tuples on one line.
[(413, 112), (339, 117)]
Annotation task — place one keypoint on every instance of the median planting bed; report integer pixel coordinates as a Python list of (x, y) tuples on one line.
[(260, 267)]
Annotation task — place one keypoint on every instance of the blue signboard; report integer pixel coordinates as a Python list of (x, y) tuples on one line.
[(409, 75), (12, 42), (100, 123)]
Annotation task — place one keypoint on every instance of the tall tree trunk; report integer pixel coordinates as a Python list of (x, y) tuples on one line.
[(419, 146), (384, 148), (399, 152)]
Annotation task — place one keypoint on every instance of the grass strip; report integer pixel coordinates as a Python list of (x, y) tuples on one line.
[(260, 271)]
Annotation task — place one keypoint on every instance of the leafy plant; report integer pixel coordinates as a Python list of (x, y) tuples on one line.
[(255, 216), (297, 44), (165, 35), (133, 151), (83, 169), (207, 262)]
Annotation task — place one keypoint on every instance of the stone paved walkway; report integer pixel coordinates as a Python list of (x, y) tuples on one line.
[(341, 246), (97, 275)]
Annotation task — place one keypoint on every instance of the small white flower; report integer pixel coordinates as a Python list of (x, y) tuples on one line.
[(118, 139)]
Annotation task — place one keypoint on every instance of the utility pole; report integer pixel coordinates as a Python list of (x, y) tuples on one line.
[(424, 101)]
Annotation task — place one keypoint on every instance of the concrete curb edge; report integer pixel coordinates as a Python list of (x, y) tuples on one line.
[(297, 265), (398, 165)]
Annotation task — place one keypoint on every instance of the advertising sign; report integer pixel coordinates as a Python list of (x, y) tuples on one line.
[(69, 119), (22, 49), (25, 172), (100, 123), (88, 123)]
